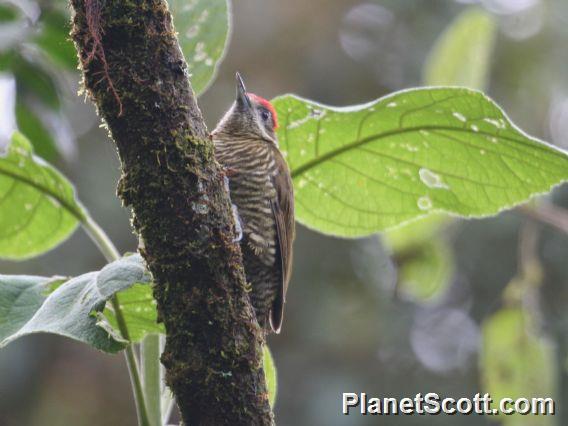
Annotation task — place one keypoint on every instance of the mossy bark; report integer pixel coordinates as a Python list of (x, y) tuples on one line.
[(136, 75)]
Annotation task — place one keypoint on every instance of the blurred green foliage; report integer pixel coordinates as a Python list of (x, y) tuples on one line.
[(40, 51), (462, 54), (517, 362)]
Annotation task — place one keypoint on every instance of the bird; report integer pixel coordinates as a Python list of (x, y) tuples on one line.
[(261, 192)]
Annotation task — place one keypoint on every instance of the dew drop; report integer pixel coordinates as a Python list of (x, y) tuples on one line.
[(500, 123), (431, 179), (459, 116), (424, 203)]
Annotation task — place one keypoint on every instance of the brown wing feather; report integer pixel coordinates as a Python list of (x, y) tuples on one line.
[(283, 211)]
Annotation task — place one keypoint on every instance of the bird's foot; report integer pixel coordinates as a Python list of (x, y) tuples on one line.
[(238, 224), (228, 172), (226, 184)]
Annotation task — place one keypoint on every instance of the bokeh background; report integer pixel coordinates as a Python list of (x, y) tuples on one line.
[(352, 324)]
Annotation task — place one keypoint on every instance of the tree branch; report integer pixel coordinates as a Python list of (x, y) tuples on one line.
[(548, 213), (135, 73)]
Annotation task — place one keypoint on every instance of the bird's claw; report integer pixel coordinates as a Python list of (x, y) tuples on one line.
[(238, 224), (226, 184)]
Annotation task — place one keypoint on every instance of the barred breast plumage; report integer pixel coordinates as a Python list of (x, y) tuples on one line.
[(252, 169)]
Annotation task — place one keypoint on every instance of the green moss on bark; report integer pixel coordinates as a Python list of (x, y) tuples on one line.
[(138, 80)]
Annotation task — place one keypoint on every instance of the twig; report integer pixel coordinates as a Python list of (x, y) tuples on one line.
[(548, 213)]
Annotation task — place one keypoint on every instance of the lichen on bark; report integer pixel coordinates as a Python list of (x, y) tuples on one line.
[(136, 75)]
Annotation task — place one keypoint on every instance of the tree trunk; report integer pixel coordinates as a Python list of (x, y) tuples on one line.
[(136, 75)]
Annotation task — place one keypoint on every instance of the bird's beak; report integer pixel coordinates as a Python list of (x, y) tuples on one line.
[(242, 97)]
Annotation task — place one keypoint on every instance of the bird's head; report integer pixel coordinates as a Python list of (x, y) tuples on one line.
[(250, 116)]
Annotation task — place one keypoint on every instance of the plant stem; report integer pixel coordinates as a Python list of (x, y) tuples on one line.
[(132, 366), (151, 377), (100, 238), (109, 251)]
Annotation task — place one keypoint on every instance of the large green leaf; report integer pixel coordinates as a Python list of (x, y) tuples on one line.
[(72, 309), (20, 297), (462, 54), (38, 208), (367, 168), (270, 374), (204, 28)]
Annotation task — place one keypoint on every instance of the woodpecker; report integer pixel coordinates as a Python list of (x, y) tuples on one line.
[(260, 188)]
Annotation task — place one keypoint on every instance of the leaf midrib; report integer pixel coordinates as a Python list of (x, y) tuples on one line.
[(77, 213), (372, 138)]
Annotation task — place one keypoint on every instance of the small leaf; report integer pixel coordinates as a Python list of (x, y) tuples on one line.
[(270, 375), (425, 270), (33, 79), (462, 54), (516, 363), (6, 60), (367, 168), (70, 310), (34, 129), (139, 311), (8, 13), (415, 233), (54, 39), (38, 208), (203, 27)]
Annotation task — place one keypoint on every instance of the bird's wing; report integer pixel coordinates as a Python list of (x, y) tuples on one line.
[(283, 211)]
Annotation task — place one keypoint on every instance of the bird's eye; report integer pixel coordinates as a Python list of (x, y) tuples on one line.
[(265, 115)]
